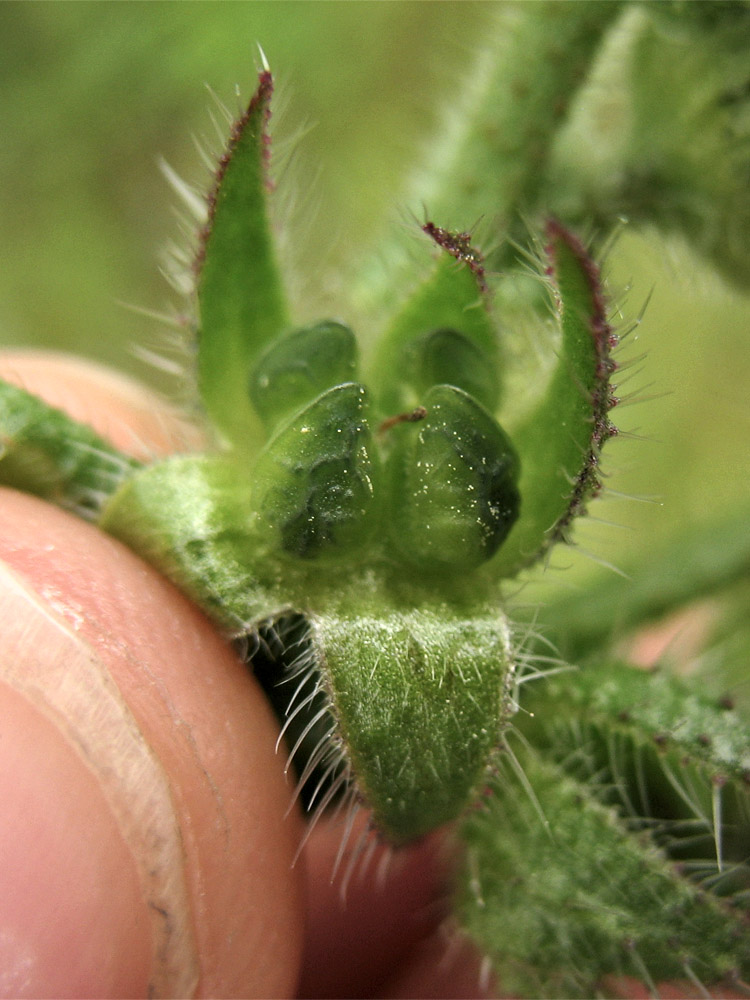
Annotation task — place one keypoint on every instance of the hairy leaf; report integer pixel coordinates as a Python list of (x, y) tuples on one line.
[(563, 896), (673, 761)]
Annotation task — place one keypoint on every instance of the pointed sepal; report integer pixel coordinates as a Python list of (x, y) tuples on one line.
[(421, 697), (560, 441), (241, 301), (442, 333)]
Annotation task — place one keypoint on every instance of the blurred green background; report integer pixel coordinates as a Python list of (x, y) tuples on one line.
[(93, 94)]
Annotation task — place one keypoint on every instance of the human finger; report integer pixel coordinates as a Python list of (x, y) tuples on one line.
[(197, 722)]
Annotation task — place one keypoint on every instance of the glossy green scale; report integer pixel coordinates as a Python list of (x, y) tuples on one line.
[(314, 483), (299, 366), (456, 495)]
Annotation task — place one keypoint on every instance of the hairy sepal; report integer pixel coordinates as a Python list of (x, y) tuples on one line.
[(442, 333), (560, 441), (421, 696), (563, 895), (241, 301)]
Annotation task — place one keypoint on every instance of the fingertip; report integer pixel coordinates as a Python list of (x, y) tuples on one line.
[(359, 933), (129, 415), (180, 739), (73, 917), (445, 966)]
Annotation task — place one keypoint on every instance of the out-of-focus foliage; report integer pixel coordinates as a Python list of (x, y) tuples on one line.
[(93, 95)]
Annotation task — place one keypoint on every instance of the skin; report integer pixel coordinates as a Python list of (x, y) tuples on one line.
[(147, 841)]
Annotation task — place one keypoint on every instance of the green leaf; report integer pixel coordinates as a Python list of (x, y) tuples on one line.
[(651, 709), (674, 762), (44, 452), (443, 333), (421, 697), (240, 296), (663, 137), (562, 894), (643, 868), (300, 366), (314, 483), (454, 484), (559, 443)]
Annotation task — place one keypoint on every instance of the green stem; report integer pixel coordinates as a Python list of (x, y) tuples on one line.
[(44, 452)]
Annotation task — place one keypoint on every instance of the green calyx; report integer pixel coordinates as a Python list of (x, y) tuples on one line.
[(400, 462), (374, 499)]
